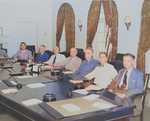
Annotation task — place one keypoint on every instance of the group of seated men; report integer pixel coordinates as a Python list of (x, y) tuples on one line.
[(127, 82)]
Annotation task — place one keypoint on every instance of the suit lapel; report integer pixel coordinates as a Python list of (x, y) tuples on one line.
[(131, 77)]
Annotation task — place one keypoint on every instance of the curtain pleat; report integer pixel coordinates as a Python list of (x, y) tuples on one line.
[(66, 15), (144, 40)]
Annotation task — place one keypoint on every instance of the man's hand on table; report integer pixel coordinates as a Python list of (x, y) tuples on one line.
[(122, 95)]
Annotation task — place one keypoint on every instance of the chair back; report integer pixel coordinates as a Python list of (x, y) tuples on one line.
[(31, 48), (119, 56), (50, 53), (118, 64)]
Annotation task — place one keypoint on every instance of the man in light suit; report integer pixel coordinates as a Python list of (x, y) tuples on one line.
[(129, 81), (89, 64), (72, 63), (23, 54), (56, 57)]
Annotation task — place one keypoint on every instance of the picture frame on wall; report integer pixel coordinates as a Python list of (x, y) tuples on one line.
[(1, 30)]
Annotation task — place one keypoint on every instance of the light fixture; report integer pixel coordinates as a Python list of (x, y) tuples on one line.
[(80, 24), (127, 21)]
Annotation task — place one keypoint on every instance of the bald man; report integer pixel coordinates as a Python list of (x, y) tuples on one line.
[(72, 63)]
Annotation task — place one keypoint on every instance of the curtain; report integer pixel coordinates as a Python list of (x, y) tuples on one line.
[(144, 40), (111, 19), (92, 22), (66, 15)]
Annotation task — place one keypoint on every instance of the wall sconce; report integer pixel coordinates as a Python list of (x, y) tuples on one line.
[(127, 21), (80, 24)]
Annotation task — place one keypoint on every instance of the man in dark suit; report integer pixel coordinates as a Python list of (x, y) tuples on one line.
[(129, 81), (89, 64)]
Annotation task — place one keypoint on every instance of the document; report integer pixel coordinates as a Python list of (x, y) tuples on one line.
[(91, 97), (22, 77), (93, 87), (35, 68), (35, 85), (31, 102), (8, 91), (102, 105), (81, 91), (71, 107), (28, 68), (14, 83)]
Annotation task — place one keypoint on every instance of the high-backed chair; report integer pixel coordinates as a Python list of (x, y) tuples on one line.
[(119, 56), (32, 49), (118, 64), (143, 94), (49, 52)]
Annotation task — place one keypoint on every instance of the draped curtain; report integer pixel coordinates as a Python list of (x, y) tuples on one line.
[(66, 15), (144, 40), (111, 19), (92, 22)]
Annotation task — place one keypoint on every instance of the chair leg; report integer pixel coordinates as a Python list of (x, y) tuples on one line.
[(141, 116)]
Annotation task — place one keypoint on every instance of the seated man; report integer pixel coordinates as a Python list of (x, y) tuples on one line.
[(23, 54), (42, 56), (89, 64), (129, 80), (56, 57), (103, 74), (3, 53), (72, 62)]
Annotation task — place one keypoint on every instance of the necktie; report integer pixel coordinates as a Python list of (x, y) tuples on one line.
[(124, 81), (86, 63), (54, 59)]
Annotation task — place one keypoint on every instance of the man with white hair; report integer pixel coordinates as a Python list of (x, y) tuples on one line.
[(72, 63)]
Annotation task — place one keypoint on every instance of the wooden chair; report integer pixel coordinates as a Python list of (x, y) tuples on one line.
[(143, 94)]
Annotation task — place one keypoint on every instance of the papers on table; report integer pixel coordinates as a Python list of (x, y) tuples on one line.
[(8, 91), (22, 77), (71, 107), (14, 83), (93, 87), (31, 102), (28, 68), (35, 68), (36, 85), (45, 67), (102, 105), (91, 97), (81, 91)]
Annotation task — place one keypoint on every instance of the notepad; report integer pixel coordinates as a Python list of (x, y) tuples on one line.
[(102, 105), (14, 83), (91, 97), (35, 85), (81, 91), (93, 87), (31, 102), (8, 91), (22, 77), (71, 107)]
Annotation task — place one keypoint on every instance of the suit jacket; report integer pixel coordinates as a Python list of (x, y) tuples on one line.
[(135, 83), (42, 58), (25, 56), (87, 67), (59, 58), (70, 63)]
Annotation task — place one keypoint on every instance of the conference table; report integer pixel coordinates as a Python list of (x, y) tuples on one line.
[(59, 88)]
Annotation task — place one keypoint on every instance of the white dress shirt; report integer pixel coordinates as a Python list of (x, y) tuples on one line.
[(103, 75), (59, 58)]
